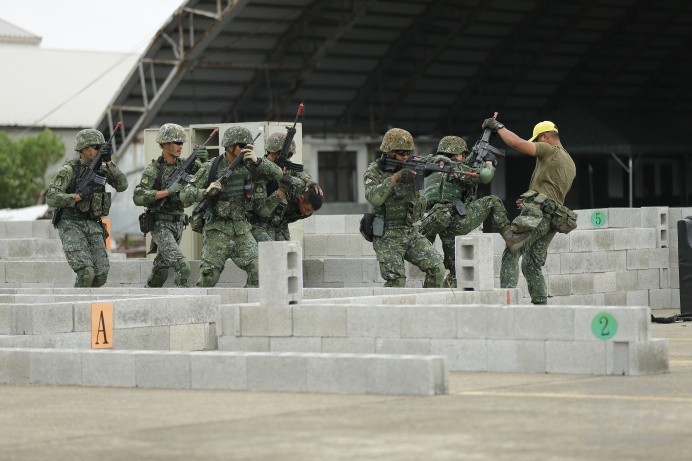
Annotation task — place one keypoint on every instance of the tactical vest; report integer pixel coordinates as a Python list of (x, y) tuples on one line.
[(96, 206), (403, 209), (172, 204), (230, 202), (439, 190)]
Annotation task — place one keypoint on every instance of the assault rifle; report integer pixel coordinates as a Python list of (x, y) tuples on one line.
[(89, 176), (182, 172), (202, 205), (420, 166), (483, 152), (282, 158)]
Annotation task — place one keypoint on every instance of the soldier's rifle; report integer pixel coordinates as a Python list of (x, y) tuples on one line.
[(483, 151), (420, 166), (282, 159)]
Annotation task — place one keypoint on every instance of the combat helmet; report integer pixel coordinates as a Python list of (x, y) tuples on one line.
[(236, 135), (170, 132), (87, 138), (451, 145), (275, 142), (396, 139)]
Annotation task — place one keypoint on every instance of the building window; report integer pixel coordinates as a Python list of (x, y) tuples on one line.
[(338, 175)]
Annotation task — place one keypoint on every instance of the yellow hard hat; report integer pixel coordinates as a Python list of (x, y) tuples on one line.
[(542, 127)]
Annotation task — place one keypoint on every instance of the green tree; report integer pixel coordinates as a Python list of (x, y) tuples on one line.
[(23, 165)]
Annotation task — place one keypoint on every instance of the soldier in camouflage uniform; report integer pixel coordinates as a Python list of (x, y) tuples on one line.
[(542, 208), (452, 204), (80, 226), (226, 229), (291, 202), (397, 206), (273, 146), (166, 207)]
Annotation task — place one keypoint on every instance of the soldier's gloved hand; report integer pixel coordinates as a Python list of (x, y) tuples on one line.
[(406, 176), (314, 185), (175, 188), (492, 124), (202, 153), (491, 158), (106, 152), (249, 153), (213, 189)]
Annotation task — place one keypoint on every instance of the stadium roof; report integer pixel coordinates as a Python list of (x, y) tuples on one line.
[(610, 73)]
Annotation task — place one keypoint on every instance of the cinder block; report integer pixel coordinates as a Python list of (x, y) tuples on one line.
[(338, 373), (319, 321), (56, 272), (143, 338), (626, 280), (675, 298), (516, 356), (62, 367), (219, 370), (408, 375), (573, 263), (316, 245), (648, 279), (14, 366), (345, 245), (280, 273), (366, 321), (616, 298), (43, 318), (402, 346), (560, 285), (624, 217), (293, 344), (584, 283), (473, 322), (500, 322), (664, 278), (330, 224), (559, 244), (163, 370), (637, 238), (657, 219), (462, 354), (128, 272), (18, 229), (108, 368), (349, 345), (428, 322), (228, 320), (577, 357), (591, 240), (637, 297), (474, 270), (313, 272), (266, 321), (605, 282), (541, 323), (660, 299), (277, 372), (189, 337), (244, 344), (632, 323), (348, 270), (2, 272)]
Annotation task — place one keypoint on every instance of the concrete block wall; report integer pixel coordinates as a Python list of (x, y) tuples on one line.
[(280, 372), (472, 337)]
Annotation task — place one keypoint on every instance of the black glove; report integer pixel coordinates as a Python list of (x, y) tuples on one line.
[(106, 151), (492, 124), (406, 176), (491, 158)]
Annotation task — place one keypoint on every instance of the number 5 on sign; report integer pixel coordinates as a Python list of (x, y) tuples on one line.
[(102, 326)]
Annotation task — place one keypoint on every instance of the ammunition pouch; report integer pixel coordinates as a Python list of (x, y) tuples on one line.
[(366, 226), (460, 208), (416, 209), (564, 220), (197, 222), (146, 222)]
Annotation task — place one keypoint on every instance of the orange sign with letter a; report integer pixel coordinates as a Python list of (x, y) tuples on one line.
[(102, 326)]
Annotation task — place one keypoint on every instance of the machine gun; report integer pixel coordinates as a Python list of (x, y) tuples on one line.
[(282, 158), (483, 152), (182, 172), (420, 166), (89, 176), (202, 205)]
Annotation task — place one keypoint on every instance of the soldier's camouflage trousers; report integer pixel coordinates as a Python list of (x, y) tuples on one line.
[(445, 221), (268, 233), (166, 235), (219, 246), (85, 250), (399, 244), (533, 255)]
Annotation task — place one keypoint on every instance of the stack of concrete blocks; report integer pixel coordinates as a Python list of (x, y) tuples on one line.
[(474, 267)]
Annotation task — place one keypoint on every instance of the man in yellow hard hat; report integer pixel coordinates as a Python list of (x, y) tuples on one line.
[(542, 207)]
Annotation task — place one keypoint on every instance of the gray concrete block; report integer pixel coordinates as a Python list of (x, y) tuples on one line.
[(228, 320), (14, 366), (53, 272), (349, 345), (408, 375), (345, 245), (616, 298), (8, 319), (316, 245), (43, 318), (348, 270), (624, 217), (675, 298), (559, 244), (596, 218), (637, 297), (584, 283), (633, 323), (516, 356), (352, 223), (329, 224), (280, 273), (371, 322), (294, 344), (402, 346), (664, 278), (62, 367), (648, 357), (473, 269), (163, 370), (605, 282), (541, 323), (462, 354), (559, 285), (219, 370), (266, 321), (428, 322), (107, 368), (661, 299), (500, 322), (243, 344), (142, 338), (648, 279), (578, 357), (339, 373), (626, 239), (319, 321), (473, 322), (18, 229), (626, 280), (591, 240), (277, 372), (573, 263), (128, 272), (2, 272), (190, 337)]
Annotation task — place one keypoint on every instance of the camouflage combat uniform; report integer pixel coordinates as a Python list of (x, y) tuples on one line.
[(169, 224), (551, 180), (226, 229), (81, 230), (454, 209), (272, 217), (400, 207)]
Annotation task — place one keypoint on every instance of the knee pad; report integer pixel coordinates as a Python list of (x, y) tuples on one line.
[(99, 280), (209, 278), (85, 277), (434, 277), (158, 277), (182, 272)]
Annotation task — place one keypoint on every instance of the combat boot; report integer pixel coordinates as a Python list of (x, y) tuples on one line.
[(514, 240)]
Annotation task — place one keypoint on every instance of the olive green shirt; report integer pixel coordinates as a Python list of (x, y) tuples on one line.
[(554, 172)]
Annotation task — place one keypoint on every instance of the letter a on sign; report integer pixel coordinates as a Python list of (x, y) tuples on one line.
[(102, 326)]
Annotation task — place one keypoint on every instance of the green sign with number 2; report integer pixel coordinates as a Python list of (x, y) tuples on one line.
[(604, 326)]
